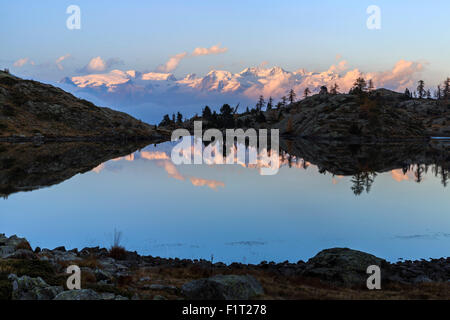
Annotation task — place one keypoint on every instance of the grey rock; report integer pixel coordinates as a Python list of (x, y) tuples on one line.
[(6, 251), (422, 279), (223, 287), (83, 294), (136, 297), (342, 266), (12, 241), (21, 254), (108, 296), (102, 275), (158, 297), (27, 288)]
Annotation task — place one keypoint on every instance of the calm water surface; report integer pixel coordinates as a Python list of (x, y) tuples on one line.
[(233, 212)]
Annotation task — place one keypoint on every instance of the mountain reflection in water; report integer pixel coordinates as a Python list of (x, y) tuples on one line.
[(26, 167), (81, 192)]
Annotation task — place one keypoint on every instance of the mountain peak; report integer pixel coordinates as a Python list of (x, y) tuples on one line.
[(158, 76)]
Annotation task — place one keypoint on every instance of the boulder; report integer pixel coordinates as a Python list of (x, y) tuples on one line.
[(6, 251), (27, 288), (9, 245), (83, 294), (21, 254), (223, 287), (342, 266)]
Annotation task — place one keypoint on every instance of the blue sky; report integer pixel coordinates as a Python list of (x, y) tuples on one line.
[(290, 34)]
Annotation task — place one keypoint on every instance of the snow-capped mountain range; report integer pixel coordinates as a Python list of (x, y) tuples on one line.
[(250, 82), (132, 88)]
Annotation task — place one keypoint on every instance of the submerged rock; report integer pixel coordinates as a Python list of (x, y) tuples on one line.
[(223, 287)]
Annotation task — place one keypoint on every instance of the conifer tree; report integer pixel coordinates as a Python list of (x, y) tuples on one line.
[(291, 96), (306, 92)]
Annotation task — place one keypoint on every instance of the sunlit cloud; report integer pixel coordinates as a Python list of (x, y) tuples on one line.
[(400, 77), (22, 62), (99, 168), (336, 179), (398, 175), (208, 51), (60, 60), (98, 64), (154, 155), (213, 184), (341, 66), (172, 63)]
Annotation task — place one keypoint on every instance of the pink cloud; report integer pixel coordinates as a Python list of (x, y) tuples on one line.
[(208, 51), (60, 60), (23, 61), (400, 77), (172, 63), (213, 184)]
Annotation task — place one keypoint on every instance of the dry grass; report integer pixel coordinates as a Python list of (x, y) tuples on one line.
[(278, 287), (118, 253)]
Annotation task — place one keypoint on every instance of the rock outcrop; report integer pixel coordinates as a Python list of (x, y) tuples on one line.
[(381, 115), (30, 110), (27, 288)]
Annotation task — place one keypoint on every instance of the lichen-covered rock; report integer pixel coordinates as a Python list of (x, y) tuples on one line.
[(223, 287), (27, 288), (83, 294), (12, 241), (342, 266), (21, 254), (9, 245)]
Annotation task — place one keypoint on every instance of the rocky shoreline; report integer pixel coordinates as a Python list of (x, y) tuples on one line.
[(117, 274)]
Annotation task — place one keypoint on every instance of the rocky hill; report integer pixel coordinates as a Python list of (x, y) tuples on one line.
[(379, 115), (33, 110)]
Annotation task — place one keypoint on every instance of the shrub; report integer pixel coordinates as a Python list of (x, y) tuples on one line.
[(117, 251)]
